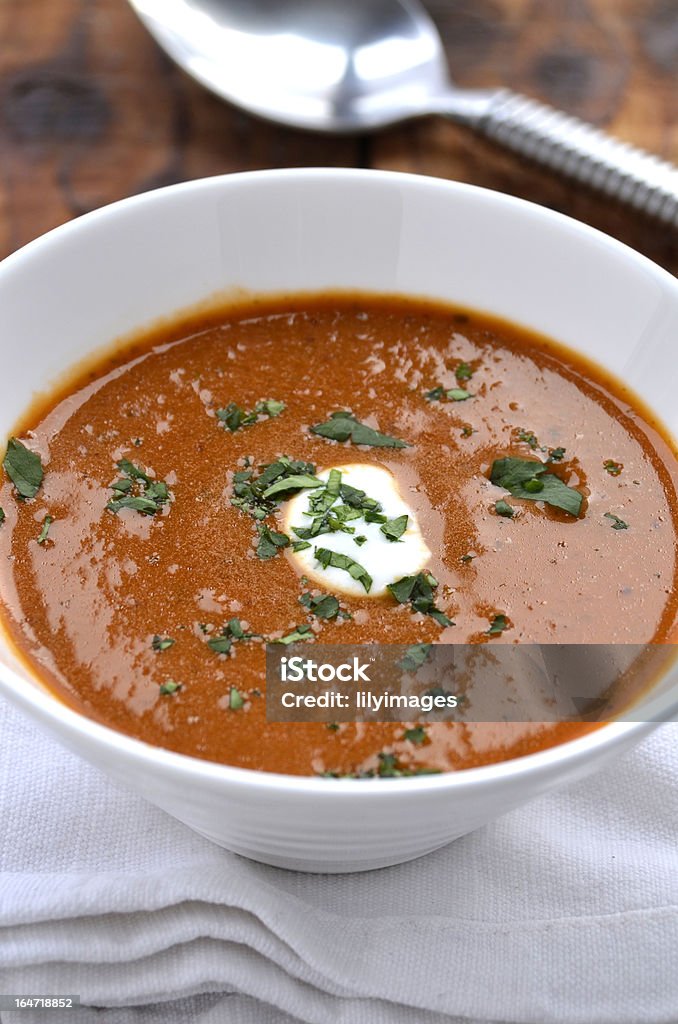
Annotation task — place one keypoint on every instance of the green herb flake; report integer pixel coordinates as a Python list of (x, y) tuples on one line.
[(249, 487), (297, 635), (300, 545), (343, 426), (502, 508), (467, 558), (458, 394), (467, 430), (498, 625), (418, 591), (333, 727), (220, 644), (151, 494), (44, 532), (288, 484), (417, 735), (234, 416), (556, 454), (326, 557), (393, 529), (270, 542), (235, 699), (617, 523), (162, 643), (414, 657), (169, 688), (360, 540), (24, 468), (325, 607), (514, 475), (528, 437), (2, 515), (613, 468), (435, 394), (463, 372)]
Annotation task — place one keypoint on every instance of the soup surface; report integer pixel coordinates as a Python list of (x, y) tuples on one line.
[(143, 573)]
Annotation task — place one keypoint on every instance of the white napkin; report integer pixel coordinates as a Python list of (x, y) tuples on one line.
[(565, 911)]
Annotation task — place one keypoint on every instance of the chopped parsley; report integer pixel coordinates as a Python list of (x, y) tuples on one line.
[(2, 514), (613, 468), (300, 545), (326, 606), (528, 437), (222, 643), (44, 532), (298, 634), (414, 657), (137, 490), (463, 372), (453, 394), (393, 529), (235, 699), (417, 735), (528, 478), (249, 486), (502, 508), (556, 454), (343, 426), (339, 561), (270, 542), (162, 643), (24, 469), (498, 625), (467, 558), (419, 592), (234, 417), (617, 523), (296, 482), (169, 688), (360, 540)]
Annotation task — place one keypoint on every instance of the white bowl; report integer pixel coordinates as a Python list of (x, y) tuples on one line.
[(121, 268)]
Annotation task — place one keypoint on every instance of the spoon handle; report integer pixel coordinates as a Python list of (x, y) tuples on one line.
[(582, 152)]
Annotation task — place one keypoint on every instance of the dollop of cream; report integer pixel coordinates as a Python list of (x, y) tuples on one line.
[(386, 561)]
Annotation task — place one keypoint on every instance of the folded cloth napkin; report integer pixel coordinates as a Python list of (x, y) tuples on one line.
[(564, 911)]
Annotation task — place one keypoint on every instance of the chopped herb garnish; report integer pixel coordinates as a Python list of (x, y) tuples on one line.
[(24, 468), (467, 558), (463, 372), (270, 542), (333, 726), (414, 657), (498, 625), (339, 561), (44, 533), (248, 488), (617, 523), (162, 643), (222, 643), (556, 454), (502, 508), (419, 592), (2, 515), (300, 545), (169, 687), (360, 540), (467, 430), (151, 494), (343, 426), (528, 437), (613, 468), (393, 529), (458, 394), (514, 475), (416, 735), (326, 606), (297, 482), (234, 417), (303, 632), (235, 699), (435, 394)]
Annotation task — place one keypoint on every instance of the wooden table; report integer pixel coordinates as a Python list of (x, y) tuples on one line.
[(91, 110)]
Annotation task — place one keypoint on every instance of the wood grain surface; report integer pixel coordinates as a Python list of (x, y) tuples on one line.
[(91, 110)]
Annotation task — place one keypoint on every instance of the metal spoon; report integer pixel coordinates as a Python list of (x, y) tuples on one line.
[(357, 65)]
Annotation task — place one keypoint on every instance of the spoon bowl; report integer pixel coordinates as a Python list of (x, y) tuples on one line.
[(338, 67)]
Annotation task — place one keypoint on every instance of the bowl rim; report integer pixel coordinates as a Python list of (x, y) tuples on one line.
[(49, 709)]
